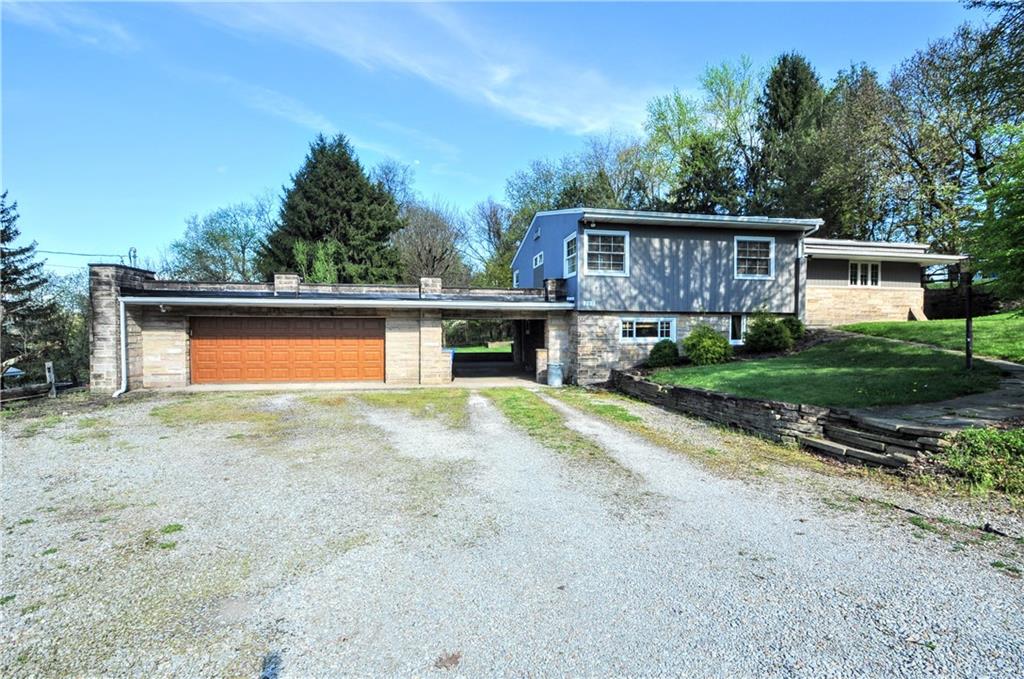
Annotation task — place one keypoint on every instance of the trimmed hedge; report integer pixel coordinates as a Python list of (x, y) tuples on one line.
[(767, 334), (663, 354), (705, 346)]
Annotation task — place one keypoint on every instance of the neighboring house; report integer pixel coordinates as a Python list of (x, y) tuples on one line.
[(592, 290)]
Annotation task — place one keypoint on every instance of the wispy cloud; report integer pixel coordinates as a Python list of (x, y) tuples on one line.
[(423, 140), (437, 44), (73, 21), (277, 104)]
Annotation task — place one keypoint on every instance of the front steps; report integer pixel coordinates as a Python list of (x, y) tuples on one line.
[(875, 440)]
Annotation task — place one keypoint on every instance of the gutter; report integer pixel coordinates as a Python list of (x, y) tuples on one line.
[(124, 350), (331, 303)]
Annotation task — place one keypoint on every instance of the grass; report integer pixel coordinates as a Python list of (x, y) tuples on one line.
[(172, 528), (987, 460), (49, 551), (199, 409), (530, 413), (998, 336), (850, 373), (497, 348), (737, 455), (450, 405)]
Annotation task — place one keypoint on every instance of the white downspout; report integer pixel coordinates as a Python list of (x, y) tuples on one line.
[(124, 351)]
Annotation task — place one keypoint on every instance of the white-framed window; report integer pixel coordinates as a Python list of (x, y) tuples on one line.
[(538, 259), (754, 257), (867, 274), (515, 278), (569, 256), (607, 253), (651, 330), (737, 328)]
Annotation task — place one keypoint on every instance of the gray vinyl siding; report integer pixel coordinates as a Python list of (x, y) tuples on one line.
[(686, 270), (835, 273), (553, 230)]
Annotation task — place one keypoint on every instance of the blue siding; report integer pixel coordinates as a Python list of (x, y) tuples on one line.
[(553, 230)]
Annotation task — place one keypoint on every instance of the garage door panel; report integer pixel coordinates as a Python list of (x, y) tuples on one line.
[(241, 349)]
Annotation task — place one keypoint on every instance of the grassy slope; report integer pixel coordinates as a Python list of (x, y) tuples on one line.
[(999, 336), (503, 348), (848, 373)]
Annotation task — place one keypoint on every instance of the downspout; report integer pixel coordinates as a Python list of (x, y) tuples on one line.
[(124, 350)]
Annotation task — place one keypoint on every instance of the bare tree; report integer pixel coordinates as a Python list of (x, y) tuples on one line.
[(429, 244)]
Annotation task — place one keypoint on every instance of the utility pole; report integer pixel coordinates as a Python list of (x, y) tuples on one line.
[(965, 282)]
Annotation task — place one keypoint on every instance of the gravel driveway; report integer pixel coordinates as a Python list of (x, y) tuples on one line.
[(273, 535)]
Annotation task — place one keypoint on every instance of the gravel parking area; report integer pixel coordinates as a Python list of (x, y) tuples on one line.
[(283, 535)]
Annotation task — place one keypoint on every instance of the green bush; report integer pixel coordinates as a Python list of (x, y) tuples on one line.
[(664, 353), (796, 327), (990, 459), (704, 346), (767, 334)]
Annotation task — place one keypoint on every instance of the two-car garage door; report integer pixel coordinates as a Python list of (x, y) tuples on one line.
[(243, 349)]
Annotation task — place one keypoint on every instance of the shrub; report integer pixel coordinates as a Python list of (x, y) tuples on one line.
[(796, 327), (704, 346), (990, 459), (664, 353), (767, 334)]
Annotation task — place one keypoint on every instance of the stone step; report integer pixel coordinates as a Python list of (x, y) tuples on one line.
[(853, 438), (839, 450)]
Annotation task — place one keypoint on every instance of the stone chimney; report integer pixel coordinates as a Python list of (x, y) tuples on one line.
[(430, 287), (554, 289), (286, 283)]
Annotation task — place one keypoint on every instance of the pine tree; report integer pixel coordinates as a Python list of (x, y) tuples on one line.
[(790, 122), (24, 312), (333, 201)]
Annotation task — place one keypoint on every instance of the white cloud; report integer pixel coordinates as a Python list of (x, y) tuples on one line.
[(436, 44), (278, 105), (74, 22)]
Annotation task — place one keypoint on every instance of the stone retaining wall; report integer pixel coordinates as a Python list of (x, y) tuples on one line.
[(776, 420)]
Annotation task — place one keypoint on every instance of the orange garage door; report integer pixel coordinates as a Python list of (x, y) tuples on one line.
[(286, 349)]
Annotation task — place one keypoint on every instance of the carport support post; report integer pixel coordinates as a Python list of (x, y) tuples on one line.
[(557, 340), (965, 281)]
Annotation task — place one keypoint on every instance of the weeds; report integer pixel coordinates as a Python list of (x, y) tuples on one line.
[(449, 405)]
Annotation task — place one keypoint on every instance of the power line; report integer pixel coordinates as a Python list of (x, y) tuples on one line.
[(77, 254)]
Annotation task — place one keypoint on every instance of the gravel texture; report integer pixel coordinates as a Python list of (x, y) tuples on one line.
[(316, 539)]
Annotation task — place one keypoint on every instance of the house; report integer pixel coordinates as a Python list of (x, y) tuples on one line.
[(592, 290), (637, 277)]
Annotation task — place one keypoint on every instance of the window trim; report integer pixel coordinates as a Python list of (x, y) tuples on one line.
[(538, 259), (859, 263), (736, 258), (565, 256), (646, 319), (515, 278), (743, 330), (625, 252)]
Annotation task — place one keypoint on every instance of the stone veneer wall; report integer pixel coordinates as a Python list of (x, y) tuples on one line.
[(105, 283), (852, 304), (598, 349), (776, 420)]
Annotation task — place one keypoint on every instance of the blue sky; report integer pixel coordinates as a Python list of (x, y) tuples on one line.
[(120, 120)]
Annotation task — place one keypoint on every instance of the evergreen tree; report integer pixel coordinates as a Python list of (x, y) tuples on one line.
[(789, 122), (333, 201), (24, 312)]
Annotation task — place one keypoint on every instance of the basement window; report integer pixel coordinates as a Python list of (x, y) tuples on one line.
[(642, 330), (737, 326)]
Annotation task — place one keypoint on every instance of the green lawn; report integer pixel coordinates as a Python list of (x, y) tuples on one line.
[(849, 373), (498, 348), (998, 336)]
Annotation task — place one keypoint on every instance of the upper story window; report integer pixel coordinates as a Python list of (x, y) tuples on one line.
[(865, 273), (569, 257), (754, 257), (607, 253), (515, 278), (538, 259)]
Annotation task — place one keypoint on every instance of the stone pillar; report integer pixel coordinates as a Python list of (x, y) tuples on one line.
[(106, 282), (402, 347), (286, 284), (556, 341), (435, 364), (430, 287)]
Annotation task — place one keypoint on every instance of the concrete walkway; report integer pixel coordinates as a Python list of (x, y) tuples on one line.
[(976, 410)]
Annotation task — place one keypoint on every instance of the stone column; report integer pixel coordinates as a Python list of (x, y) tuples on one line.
[(430, 287), (435, 364), (556, 340), (106, 282)]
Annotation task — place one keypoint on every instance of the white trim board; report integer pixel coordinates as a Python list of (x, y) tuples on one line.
[(347, 303)]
